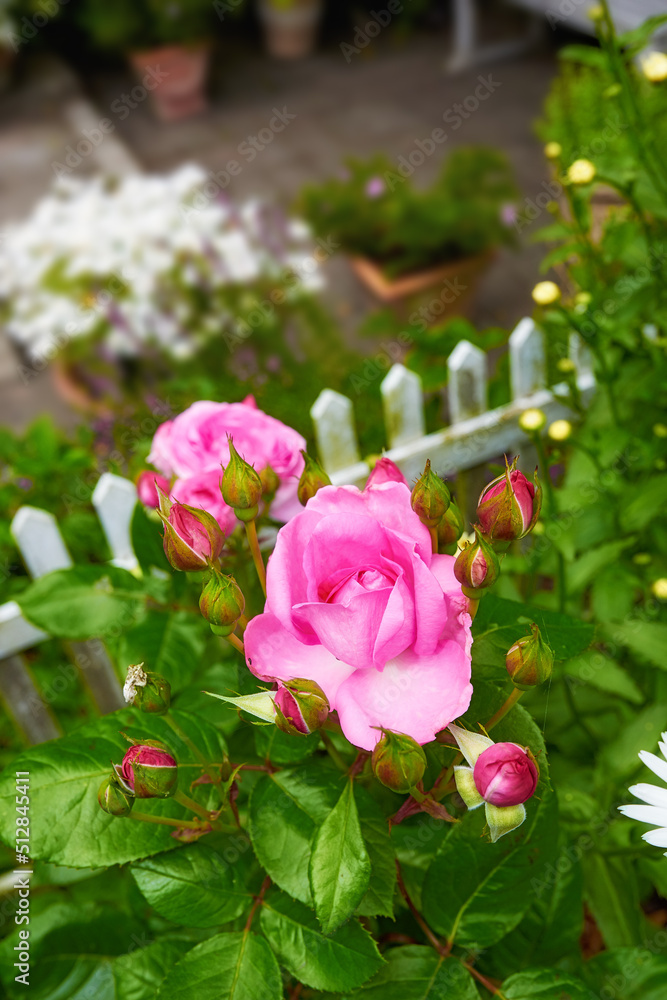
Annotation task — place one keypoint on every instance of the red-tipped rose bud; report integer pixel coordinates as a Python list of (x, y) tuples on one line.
[(529, 661), (147, 691), (221, 603), (241, 486), (301, 706), (385, 471), (430, 497), (506, 774), (148, 772), (509, 506), (147, 487), (270, 481), (114, 799), (313, 478), (451, 527), (476, 566), (192, 537), (398, 761)]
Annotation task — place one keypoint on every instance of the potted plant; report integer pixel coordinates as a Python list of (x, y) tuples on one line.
[(403, 242), (290, 26), (172, 36)]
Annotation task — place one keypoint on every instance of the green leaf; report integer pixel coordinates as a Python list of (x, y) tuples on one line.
[(588, 565), (67, 825), (84, 602), (193, 886), (544, 984), (499, 623), (226, 967), (642, 971), (342, 961), (286, 809), (379, 899), (340, 869), (167, 644), (418, 973), (139, 973), (647, 640), (613, 896), (491, 890), (283, 748), (599, 671), (648, 500), (620, 757)]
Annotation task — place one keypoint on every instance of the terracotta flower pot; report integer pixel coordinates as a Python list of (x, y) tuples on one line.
[(291, 33), (179, 90), (436, 294)]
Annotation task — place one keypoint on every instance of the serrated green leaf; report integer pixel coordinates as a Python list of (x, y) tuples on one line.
[(642, 971), (226, 967), (283, 748), (620, 757), (418, 973), (342, 961), (286, 809), (67, 825), (599, 671), (193, 886), (613, 897), (379, 899), (499, 623), (340, 869), (647, 640), (138, 974), (84, 602), (544, 984)]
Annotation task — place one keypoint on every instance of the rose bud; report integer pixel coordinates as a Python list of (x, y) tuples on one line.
[(451, 527), (505, 774), (270, 481), (192, 537), (477, 566), (529, 661), (241, 486), (509, 506), (113, 798), (385, 471), (147, 487), (398, 761), (148, 772), (430, 497), (313, 478), (221, 603), (301, 707), (147, 691)]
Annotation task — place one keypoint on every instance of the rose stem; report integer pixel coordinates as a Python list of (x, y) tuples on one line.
[(434, 540), (171, 722), (253, 542), (257, 902), (163, 820), (235, 642), (189, 803), (331, 750), (472, 607), (486, 983), (504, 709), (432, 939), (243, 622)]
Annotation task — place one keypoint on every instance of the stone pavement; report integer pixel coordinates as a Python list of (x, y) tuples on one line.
[(390, 100)]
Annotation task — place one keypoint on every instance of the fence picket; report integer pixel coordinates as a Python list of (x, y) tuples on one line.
[(527, 359), (114, 499), (333, 419), (403, 405), (467, 382)]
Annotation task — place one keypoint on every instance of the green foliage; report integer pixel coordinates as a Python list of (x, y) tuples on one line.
[(126, 25), (372, 210)]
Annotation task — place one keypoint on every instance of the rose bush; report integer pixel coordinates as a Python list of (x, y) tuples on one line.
[(357, 602), (193, 446)]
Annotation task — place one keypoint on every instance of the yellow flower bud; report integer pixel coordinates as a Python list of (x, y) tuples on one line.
[(560, 430), (659, 588), (660, 430), (552, 150), (545, 293), (581, 172), (532, 420), (654, 67)]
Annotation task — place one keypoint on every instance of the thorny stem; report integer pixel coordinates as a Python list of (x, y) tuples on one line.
[(430, 936), (504, 709), (257, 902), (253, 542)]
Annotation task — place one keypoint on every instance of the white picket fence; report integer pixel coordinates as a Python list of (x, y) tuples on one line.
[(474, 436)]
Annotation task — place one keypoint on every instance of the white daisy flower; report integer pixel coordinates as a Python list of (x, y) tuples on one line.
[(655, 797)]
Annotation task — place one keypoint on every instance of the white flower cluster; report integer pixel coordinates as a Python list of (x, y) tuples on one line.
[(146, 260)]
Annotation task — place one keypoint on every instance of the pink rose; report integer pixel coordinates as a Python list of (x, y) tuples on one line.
[(509, 506), (195, 442), (385, 471), (505, 775), (149, 772), (192, 538), (357, 602), (146, 487), (204, 491)]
